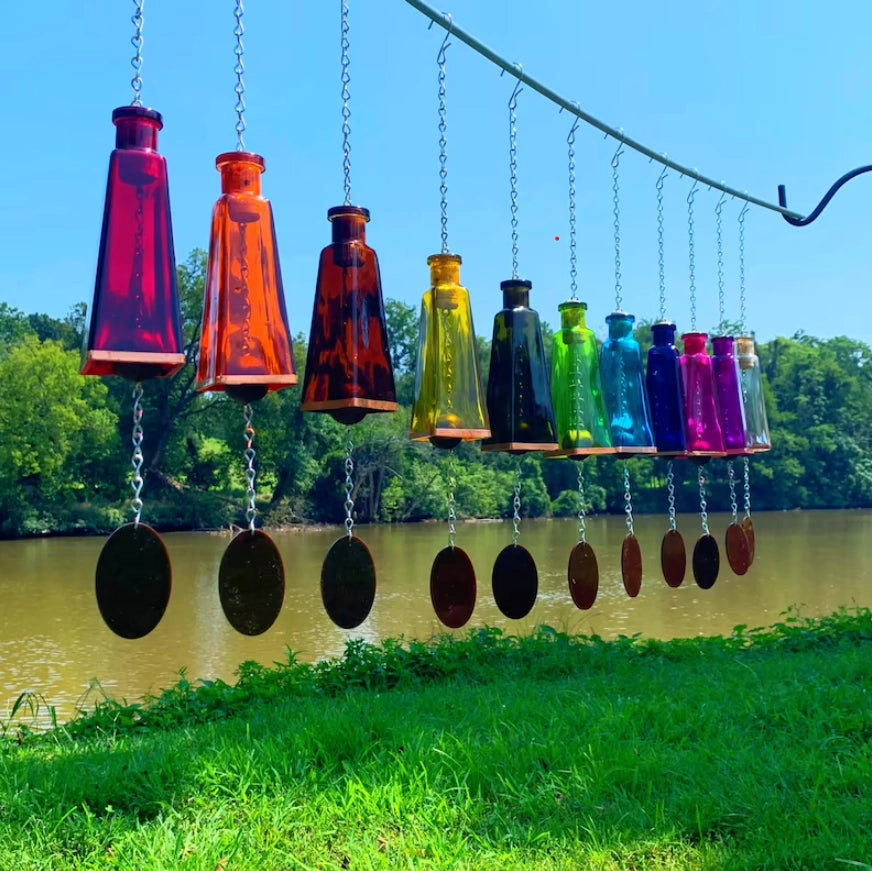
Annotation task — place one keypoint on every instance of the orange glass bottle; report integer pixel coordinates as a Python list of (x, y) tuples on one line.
[(245, 347)]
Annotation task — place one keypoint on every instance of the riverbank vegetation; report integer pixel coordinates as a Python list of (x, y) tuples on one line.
[(483, 752), (65, 441)]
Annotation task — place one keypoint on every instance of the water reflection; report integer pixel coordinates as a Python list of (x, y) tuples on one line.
[(53, 641)]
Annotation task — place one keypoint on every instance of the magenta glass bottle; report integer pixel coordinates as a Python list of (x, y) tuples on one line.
[(703, 429), (729, 391)]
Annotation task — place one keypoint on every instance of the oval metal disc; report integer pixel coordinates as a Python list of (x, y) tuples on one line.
[(515, 581), (348, 582), (706, 561), (133, 580), (673, 558), (583, 574), (748, 526), (251, 582), (738, 549), (453, 587), (631, 565)]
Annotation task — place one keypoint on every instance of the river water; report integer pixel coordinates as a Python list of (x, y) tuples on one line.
[(53, 641)]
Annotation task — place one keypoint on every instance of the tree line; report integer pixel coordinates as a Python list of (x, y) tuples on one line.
[(65, 441)]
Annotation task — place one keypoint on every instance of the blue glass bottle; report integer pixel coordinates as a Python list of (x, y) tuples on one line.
[(624, 389), (665, 397)]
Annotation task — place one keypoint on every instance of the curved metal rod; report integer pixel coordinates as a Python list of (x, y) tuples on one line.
[(804, 222)]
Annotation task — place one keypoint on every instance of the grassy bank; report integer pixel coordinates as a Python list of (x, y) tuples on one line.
[(550, 752)]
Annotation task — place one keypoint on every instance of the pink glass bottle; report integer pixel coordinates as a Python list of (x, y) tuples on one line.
[(704, 434)]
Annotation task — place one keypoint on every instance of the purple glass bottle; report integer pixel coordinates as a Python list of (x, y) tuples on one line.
[(729, 390), (704, 434)]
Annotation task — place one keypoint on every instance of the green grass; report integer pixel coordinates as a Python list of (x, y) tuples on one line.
[(490, 752)]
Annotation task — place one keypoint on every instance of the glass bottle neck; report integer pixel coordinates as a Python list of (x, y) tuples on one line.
[(695, 343), (136, 133), (348, 228), (444, 269)]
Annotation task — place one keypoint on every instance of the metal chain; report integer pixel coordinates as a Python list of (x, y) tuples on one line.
[(582, 524), (136, 61), (747, 487), (690, 198), (719, 228), (239, 69), (742, 268), (734, 508), (513, 167), (349, 484), (573, 256), (616, 211), (670, 490), (516, 506), (628, 500), (661, 266), (703, 505), (443, 144), (136, 462), (452, 513), (250, 473), (346, 96)]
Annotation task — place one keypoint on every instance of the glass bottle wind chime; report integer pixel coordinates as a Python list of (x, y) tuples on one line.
[(626, 402), (449, 405), (704, 437), (518, 403), (731, 409), (666, 401), (245, 351), (135, 332), (348, 366), (579, 405)]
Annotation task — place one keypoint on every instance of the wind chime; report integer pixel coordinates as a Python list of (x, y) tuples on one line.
[(449, 405), (245, 352), (518, 403), (579, 405), (348, 366), (666, 400), (732, 412), (626, 402), (135, 332)]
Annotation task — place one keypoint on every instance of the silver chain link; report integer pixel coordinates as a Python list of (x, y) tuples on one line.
[(690, 198), (443, 143), (346, 96), (747, 483), (616, 211), (573, 255), (516, 506), (250, 473), (742, 269), (136, 461), (670, 491), (582, 523), (734, 508), (349, 484), (661, 265), (720, 237), (628, 501), (513, 167), (703, 505), (452, 505), (239, 69), (136, 61)]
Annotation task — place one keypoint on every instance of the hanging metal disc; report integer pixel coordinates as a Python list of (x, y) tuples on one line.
[(453, 587), (583, 575), (748, 526), (706, 561), (348, 582), (251, 582), (673, 558), (133, 580), (738, 549), (515, 581), (631, 565)]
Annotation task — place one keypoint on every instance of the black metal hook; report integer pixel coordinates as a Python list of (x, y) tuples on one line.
[(804, 222)]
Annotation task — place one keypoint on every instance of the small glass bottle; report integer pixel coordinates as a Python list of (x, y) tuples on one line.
[(754, 399), (730, 405), (665, 399), (703, 429)]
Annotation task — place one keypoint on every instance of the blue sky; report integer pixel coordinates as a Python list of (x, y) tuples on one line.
[(753, 93)]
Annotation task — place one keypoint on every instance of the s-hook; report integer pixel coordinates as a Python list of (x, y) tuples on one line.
[(804, 222)]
